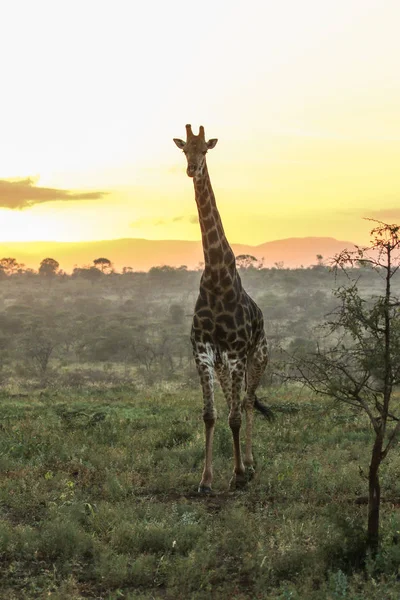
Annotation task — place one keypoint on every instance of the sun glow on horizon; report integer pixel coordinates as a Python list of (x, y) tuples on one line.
[(302, 97)]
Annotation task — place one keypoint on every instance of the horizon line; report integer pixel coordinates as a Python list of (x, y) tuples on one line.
[(39, 241)]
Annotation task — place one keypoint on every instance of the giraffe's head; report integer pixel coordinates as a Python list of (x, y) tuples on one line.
[(195, 149)]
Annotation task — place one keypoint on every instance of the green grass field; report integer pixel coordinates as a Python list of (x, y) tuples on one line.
[(98, 500)]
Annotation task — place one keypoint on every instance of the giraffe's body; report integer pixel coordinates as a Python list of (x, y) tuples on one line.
[(227, 334)]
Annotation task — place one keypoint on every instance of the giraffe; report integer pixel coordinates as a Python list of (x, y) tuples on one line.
[(227, 334)]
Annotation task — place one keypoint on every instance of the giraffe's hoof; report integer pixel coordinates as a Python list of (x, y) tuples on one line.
[(205, 490), (250, 472), (240, 480)]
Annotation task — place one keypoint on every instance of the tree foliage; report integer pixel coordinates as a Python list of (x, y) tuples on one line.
[(248, 261), (362, 366), (104, 264), (48, 267), (10, 266)]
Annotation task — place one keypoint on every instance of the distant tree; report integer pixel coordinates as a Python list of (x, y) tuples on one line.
[(320, 263), (39, 348), (127, 270), (279, 265), (39, 340), (104, 264), (48, 267), (10, 266), (90, 273), (246, 261)]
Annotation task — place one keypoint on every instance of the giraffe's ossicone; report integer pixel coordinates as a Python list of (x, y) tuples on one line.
[(227, 335)]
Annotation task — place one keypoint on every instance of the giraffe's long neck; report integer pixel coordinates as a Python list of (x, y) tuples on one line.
[(219, 259)]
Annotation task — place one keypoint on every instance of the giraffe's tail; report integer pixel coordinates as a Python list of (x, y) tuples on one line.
[(264, 410)]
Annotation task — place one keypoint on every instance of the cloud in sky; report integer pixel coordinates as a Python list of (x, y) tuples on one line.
[(192, 219), (385, 214), (23, 193)]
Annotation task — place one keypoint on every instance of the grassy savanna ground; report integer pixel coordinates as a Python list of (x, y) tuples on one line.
[(98, 500)]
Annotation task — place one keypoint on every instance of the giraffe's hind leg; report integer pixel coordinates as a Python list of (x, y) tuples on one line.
[(255, 368)]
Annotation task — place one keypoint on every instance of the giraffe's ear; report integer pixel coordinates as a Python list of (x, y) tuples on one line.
[(179, 143), (212, 143)]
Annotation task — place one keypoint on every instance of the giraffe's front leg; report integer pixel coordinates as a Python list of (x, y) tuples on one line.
[(235, 420), (209, 416)]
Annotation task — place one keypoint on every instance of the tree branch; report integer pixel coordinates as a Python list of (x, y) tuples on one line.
[(392, 438)]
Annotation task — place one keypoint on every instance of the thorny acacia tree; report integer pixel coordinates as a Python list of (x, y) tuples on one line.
[(362, 367)]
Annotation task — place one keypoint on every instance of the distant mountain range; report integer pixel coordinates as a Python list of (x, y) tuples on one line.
[(142, 254)]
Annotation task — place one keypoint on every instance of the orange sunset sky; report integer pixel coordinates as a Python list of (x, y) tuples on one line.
[(304, 98)]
